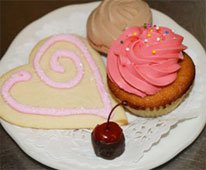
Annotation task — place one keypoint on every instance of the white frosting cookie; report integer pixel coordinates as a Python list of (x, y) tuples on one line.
[(63, 86)]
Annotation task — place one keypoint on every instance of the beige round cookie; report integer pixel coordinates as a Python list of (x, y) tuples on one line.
[(111, 17)]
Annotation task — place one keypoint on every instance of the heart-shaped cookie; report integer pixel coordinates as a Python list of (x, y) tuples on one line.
[(63, 86)]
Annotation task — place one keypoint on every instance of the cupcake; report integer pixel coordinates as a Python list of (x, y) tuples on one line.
[(146, 66), (111, 17)]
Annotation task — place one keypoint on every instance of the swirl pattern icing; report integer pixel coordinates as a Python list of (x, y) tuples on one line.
[(23, 76), (144, 60), (113, 16)]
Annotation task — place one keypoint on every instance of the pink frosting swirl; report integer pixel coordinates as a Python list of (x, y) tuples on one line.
[(144, 60)]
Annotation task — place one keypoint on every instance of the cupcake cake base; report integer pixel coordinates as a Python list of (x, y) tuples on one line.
[(166, 100)]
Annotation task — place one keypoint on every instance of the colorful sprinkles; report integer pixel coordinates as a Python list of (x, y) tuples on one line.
[(166, 32), (151, 32), (158, 38), (134, 33), (127, 49), (153, 51), (157, 28), (149, 35), (145, 40)]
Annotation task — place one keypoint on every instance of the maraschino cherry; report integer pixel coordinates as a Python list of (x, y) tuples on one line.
[(108, 138)]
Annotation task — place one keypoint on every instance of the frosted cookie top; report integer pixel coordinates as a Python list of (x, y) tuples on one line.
[(63, 84)]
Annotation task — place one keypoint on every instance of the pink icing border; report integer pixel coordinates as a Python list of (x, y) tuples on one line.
[(25, 76), (54, 64), (58, 68)]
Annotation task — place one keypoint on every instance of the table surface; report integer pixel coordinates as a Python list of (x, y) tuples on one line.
[(15, 15)]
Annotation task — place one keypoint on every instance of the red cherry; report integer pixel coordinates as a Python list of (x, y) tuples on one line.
[(108, 133), (108, 138)]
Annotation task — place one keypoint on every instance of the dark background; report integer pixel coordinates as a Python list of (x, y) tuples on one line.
[(15, 15)]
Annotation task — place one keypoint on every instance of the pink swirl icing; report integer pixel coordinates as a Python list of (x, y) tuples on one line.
[(54, 62), (143, 60), (21, 76), (58, 68)]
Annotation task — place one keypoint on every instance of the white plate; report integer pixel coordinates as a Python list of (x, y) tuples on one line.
[(174, 142)]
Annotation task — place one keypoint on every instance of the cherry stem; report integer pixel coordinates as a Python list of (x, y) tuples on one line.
[(124, 103)]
